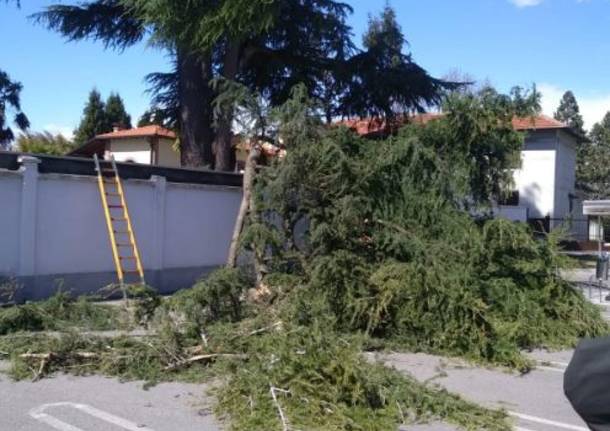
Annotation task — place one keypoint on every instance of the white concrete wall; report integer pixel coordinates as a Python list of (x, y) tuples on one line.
[(535, 180), (53, 224), (136, 150), (10, 208), (565, 177), (168, 156)]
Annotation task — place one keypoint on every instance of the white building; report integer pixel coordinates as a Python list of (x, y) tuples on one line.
[(149, 145), (545, 185)]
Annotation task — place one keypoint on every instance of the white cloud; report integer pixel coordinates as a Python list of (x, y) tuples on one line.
[(66, 131), (526, 3)]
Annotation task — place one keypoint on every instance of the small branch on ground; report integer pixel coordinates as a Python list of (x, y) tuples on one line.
[(259, 331), (201, 358), (273, 390)]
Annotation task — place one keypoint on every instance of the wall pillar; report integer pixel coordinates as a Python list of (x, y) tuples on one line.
[(27, 228), (160, 184)]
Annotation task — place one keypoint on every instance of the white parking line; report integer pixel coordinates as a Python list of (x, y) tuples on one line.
[(543, 421), (39, 413)]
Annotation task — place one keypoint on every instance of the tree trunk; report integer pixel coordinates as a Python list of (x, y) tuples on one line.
[(246, 203), (223, 150), (196, 96)]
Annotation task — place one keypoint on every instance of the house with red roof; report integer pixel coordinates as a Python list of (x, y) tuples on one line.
[(151, 145), (544, 186)]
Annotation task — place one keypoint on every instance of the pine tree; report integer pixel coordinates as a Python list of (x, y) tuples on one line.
[(383, 80), (9, 99), (93, 121), (115, 112), (269, 46), (569, 112), (593, 161)]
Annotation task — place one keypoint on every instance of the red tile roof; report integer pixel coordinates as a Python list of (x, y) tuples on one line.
[(373, 126), (139, 132), (538, 122)]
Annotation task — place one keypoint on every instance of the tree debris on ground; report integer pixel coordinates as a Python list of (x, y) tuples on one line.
[(365, 244)]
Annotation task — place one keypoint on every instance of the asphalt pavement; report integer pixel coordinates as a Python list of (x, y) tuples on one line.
[(66, 403), (535, 400)]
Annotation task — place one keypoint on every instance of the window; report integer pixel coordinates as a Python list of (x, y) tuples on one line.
[(512, 199)]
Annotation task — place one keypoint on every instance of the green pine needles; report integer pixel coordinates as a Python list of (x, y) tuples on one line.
[(358, 245)]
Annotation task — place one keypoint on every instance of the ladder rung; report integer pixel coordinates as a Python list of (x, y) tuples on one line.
[(121, 232), (113, 194), (118, 219), (123, 244), (115, 206), (127, 257)]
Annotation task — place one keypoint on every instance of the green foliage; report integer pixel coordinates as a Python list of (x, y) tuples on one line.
[(569, 113), (154, 116), (391, 251), (115, 113), (476, 138), (99, 117), (10, 103), (382, 81), (322, 382), (216, 298), (44, 143), (93, 121), (147, 300), (59, 312), (593, 161)]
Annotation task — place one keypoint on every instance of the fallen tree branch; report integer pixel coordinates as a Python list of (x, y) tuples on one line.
[(51, 355), (259, 331), (206, 357), (283, 418), (248, 181)]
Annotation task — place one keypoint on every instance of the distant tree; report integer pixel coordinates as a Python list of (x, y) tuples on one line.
[(115, 112), (10, 105), (569, 112), (93, 121), (593, 162), (44, 143), (383, 80), (155, 116)]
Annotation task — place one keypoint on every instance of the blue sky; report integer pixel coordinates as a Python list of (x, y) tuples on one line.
[(557, 44)]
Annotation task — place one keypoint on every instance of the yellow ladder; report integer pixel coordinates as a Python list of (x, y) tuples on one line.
[(118, 222)]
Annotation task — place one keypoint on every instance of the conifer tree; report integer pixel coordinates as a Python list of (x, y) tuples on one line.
[(154, 116), (269, 46), (10, 101), (115, 112), (569, 112), (383, 80), (593, 161), (93, 121)]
